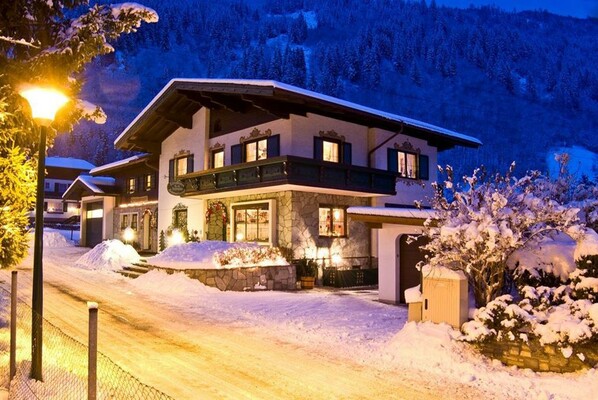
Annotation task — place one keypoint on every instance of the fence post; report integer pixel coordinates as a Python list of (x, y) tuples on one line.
[(92, 359), (13, 325)]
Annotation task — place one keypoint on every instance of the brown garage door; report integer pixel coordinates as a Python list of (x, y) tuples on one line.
[(409, 255)]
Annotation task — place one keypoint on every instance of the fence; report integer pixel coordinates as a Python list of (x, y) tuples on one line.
[(65, 365)]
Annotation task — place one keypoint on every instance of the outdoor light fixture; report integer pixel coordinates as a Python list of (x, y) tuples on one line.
[(128, 235), (176, 237), (336, 259), (44, 102)]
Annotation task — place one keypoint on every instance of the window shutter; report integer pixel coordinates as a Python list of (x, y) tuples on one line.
[(318, 148), (236, 154), (274, 146), (190, 164), (170, 170), (424, 167), (65, 207), (347, 156), (393, 160), (45, 206)]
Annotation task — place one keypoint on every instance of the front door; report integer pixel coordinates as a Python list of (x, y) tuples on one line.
[(409, 255), (147, 234)]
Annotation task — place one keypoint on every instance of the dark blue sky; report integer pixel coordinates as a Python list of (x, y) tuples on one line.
[(575, 8)]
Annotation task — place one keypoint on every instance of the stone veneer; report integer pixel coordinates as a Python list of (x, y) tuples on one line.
[(242, 279), (540, 358), (297, 220), (140, 231)]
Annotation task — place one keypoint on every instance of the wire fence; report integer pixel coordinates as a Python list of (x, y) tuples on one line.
[(64, 364)]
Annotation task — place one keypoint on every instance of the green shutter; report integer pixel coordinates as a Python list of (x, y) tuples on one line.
[(347, 156), (424, 167), (170, 170), (393, 160), (318, 148), (190, 164), (236, 154), (273, 146)]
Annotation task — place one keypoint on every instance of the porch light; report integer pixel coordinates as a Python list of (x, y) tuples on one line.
[(336, 259), (129, 235), (176, 237), (239, 237)]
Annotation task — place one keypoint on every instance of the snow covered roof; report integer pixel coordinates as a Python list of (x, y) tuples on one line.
[(174, 105), (102, 169), (68, 162), (409, 216), (97, 185)]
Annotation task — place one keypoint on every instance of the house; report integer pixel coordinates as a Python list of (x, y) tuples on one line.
[(266, 162), (60, 173), (117, 196)]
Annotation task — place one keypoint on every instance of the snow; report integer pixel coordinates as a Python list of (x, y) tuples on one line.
[(52, 238), (413, 295), (92, 183), (554, 255), (93, 111), (581, 162), (393, 212), (118, 9), (587, 245), (204, 255), (110, 255), (112, 165), (441, 273), (68, 162), (306, 93), (349, 327), (311, 18)]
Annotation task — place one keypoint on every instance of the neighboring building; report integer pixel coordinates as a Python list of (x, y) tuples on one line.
[(116, 196), (261, 161), (60, 173)]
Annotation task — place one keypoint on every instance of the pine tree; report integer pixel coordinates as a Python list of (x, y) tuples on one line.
[(50, 43)]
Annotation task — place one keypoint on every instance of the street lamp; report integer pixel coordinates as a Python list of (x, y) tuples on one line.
[(44, 102)]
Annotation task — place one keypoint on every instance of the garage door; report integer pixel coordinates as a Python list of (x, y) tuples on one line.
[(409, 255), (94, 222)]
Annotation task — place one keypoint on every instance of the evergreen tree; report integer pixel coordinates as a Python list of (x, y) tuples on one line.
[(50, 43)]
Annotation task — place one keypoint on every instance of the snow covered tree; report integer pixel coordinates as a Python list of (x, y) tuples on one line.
[(50, 43), (479, 226)]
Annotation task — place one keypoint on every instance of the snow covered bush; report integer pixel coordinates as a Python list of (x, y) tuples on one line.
[(478, 227), (250, 256)]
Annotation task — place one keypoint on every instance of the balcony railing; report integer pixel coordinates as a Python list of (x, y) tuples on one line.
[(285, 170)]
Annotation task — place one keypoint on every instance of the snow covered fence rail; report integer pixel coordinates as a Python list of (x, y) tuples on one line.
[(65, 364)]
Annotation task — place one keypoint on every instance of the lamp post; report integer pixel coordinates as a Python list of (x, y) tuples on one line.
[(44, 102)]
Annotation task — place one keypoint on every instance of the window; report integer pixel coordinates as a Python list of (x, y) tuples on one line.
[(180, 218), (53, 206), (408, 165), (128, 220), (47, 186), (131, 185), (61, 187), (180, 166), (332, 221), (252, 223), (218, 158), (332, 150), (148, 182), (257, 150)]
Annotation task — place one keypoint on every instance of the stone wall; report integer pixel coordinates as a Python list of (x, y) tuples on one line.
[(540, 358), (242, 279), (140, 229)]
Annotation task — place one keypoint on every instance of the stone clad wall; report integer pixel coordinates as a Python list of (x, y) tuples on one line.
[(540, 358), (242, 279)]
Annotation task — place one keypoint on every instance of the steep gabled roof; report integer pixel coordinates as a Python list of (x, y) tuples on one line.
[(116, 165), (86, 185), (181, 98), (68, 162)]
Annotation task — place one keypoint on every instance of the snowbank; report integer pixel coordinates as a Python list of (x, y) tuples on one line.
[(203, 255), (110, 255), (156, 281), (587, 245), (413, 295), (52, 238), (441, 273)]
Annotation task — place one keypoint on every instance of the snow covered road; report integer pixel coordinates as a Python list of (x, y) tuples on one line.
[(195, 343)]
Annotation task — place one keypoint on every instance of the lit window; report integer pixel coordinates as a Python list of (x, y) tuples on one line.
[(128, 220), (149, 182), (218, 158), (124, 221), (332, 221), (180, 166), (257, 150), (131, 185), (252, 223), (97, 213), (134, 221), (330, 151), (180, 218), (407, 164)]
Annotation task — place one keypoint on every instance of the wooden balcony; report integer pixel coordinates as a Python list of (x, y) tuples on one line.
[(285, 170)]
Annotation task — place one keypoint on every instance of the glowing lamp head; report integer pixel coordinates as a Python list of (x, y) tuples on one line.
[(44, 102), (239, 237), (336, 258), (176, 237), (128, 234)]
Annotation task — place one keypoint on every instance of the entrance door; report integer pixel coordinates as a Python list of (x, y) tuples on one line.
[(94, 223), (147, 234), (408, 256)]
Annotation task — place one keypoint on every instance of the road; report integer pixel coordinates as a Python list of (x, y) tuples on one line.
[(193, 358)]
